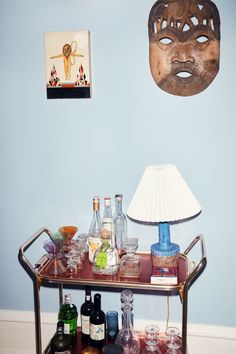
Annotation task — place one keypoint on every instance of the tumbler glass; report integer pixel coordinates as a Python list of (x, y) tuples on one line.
[(112, 324)]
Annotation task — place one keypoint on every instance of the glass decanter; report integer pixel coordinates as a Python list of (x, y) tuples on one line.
[(130, 265), (127, 338), (173, 341), (151, 340)]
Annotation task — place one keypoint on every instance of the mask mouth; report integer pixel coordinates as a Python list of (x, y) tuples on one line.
[(183, 74)]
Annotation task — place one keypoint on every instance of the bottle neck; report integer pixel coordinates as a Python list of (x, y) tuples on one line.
[(118, 206), (127, 321), (67, 300), (107, 211), (97, 302)]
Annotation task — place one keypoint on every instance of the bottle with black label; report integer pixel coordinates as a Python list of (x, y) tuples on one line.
[(60, 343), (85, 311), (97, 324)]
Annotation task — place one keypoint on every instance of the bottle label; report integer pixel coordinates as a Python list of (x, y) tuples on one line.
[(65, 352), (97, 332), (94, 244), (85, 324), (66, 328)]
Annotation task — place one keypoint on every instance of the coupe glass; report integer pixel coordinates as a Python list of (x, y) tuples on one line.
[(68, 232), (151, 340), (173, 341)]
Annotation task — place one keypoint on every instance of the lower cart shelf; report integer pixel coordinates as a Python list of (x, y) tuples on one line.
[(80, 348)]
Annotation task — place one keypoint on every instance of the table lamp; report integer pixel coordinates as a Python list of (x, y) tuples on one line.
[(163, 198)]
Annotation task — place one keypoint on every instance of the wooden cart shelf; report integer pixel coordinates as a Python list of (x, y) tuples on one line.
[(85, 276)]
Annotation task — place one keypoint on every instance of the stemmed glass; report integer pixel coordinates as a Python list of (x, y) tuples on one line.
[(151, 340), (173, 342), (68, 232), (55, 266)]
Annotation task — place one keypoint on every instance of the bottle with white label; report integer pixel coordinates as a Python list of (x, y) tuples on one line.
[(86, 308), (69, 315), (97, 324), (94, 236)]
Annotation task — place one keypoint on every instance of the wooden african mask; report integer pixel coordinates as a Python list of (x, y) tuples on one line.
[(184, 45)]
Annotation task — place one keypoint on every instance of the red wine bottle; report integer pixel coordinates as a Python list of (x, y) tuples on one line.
[(85, 311), (97, 324)]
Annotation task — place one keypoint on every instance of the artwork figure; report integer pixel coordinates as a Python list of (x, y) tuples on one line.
[(68, 56), (184, 45), (81, 77), (54, 79)]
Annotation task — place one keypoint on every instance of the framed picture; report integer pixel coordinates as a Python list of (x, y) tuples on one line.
[(67, 61)]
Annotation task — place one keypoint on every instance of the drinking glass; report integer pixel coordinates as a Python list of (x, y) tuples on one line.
[(173, 341), (112, 324)]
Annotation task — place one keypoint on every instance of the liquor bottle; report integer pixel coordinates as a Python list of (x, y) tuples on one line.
[(69, 315), (107, 221), (97, 324), (120, 225), (106, 258), (60, 342), (85, 311), (94, 237)]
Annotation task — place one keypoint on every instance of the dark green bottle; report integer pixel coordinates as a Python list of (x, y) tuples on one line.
[(69, 315), (60, 342)]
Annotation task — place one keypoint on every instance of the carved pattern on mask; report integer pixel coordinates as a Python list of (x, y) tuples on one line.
[(184, 35)]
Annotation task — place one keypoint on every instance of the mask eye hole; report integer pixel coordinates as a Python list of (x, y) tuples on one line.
[(202, 39), (165, 40)]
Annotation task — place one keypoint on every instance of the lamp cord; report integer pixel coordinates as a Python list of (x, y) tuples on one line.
[(168, 312)]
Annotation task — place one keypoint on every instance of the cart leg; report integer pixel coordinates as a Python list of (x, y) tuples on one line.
[(184, 320), (60, 287), (38, 339)]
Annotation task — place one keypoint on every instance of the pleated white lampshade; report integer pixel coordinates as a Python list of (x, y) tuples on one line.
[(162, 196)]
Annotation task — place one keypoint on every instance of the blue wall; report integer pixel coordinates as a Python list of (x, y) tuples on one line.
[(56, 154)]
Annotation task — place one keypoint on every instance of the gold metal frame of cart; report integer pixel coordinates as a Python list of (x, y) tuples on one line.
[(38, 280)]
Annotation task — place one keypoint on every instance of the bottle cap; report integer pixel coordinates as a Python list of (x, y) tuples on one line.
[(112, 349), (91, 350), (107, 201)]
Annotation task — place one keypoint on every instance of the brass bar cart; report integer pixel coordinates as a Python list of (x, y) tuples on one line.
[(186, 277)]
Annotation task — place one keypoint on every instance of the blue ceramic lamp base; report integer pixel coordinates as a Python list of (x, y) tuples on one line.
[(165, 253)]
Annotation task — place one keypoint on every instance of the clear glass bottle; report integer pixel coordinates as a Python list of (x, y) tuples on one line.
[(130, 264), (60, 342), (151, 340), (120, 224), (85, 311), (68, 315), (107, 221), (106, 258), (127, 337), (94, 237)]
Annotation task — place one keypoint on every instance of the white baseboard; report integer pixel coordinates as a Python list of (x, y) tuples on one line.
[(17, 334)]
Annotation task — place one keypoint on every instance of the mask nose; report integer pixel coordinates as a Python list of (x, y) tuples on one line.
[(183, 53)]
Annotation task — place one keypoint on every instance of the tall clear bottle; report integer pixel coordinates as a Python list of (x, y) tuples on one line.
[(94, 237), (106, 258), (69, 315), (127, 337), (120, 225)]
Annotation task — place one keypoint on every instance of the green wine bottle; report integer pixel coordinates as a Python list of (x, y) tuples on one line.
[(68, 314), (60, 342)]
